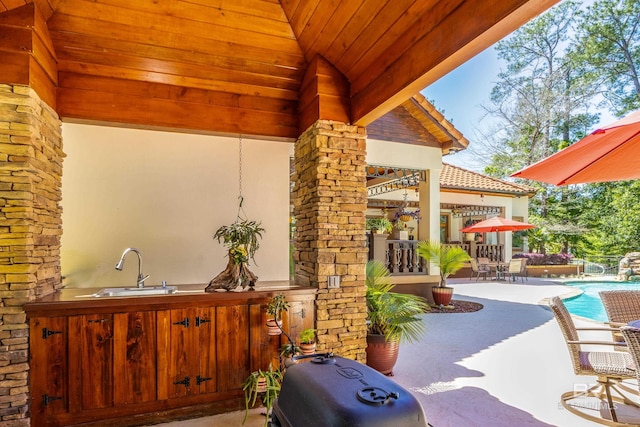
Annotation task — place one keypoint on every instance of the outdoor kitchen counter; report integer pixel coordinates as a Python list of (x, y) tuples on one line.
[(117, 360), (82, 300)]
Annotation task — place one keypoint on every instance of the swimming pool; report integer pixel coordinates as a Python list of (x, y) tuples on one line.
[(588, 304)]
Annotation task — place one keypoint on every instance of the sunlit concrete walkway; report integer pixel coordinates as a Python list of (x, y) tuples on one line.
[(505, 365)]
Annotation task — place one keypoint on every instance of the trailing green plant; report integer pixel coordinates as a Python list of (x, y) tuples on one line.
[(308, 336), (277, 305), (392, 314), (449, 259), (242, 238), (271, 380)]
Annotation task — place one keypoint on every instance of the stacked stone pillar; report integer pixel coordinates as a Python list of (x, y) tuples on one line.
[(30, 229), (330, 200)]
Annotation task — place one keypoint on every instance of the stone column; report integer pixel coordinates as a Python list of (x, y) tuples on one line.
[(30, 229), (330, 201)]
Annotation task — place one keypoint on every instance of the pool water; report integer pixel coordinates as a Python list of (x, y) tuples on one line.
[(588, 304)]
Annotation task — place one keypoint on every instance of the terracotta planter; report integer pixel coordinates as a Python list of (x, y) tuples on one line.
[(273, 328), (382, 354), (308, 348), (442, 296), (261, 386)]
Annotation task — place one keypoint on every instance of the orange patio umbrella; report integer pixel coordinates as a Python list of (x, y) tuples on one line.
[(497, 224), (607, 154)]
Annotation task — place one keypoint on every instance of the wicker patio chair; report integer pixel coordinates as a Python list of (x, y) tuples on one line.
[(609, 367), (622, 307), (479, 270)]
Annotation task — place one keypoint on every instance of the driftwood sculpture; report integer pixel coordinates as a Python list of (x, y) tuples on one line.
[(233, 276)]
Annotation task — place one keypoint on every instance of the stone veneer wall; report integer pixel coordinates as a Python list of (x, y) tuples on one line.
[(330, 200), (30, 229)]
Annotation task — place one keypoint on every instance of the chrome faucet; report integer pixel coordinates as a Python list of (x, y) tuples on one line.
[(120, 264)]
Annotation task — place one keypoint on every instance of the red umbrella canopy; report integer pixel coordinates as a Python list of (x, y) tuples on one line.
[(497, 224), (608, 154)]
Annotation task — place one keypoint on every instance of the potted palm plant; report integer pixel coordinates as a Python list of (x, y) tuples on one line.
[(392, 318), (242, 239), (265, 384), (448, 259)]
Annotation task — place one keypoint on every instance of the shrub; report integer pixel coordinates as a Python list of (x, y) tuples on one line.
[(545, 259)]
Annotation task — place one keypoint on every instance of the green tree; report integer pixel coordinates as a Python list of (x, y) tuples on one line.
[(608, 47)]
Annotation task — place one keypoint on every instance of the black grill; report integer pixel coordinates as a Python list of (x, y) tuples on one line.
[(338, 392)]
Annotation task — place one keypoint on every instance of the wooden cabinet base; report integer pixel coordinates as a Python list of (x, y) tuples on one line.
[(141, 361)]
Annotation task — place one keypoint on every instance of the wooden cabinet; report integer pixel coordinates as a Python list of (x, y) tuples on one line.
[(110, 361)]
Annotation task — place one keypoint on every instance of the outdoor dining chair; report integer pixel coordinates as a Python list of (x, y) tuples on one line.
[(609, 367), (622, 307), (514, 270), (479, 270)]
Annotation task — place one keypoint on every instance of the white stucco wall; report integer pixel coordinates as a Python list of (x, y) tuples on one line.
[(166, 194), (400, 155), (512, 206)]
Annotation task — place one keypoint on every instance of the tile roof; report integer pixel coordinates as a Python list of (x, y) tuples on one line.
[(456, 178)]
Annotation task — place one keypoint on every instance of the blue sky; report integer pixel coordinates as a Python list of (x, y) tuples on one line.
[(459, 96)]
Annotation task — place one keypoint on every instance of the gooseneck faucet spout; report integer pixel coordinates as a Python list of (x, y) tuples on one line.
[(120, 264)]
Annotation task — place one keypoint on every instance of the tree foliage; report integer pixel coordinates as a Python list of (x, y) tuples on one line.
[(559, 68), (608, 47)]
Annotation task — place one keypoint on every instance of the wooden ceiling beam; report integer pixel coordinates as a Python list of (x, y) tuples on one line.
[(93, 106), (324, 94), (436, 53), (28, 57)]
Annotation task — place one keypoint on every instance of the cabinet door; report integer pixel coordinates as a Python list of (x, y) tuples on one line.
[(178, 362), (91, 361), (205, 322), (232, 340), (134, 357), (48, 367)]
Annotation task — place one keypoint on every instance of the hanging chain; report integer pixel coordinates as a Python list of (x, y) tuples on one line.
[(240, 198), (240, 169)]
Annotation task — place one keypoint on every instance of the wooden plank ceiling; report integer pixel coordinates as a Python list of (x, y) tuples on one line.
[(236, 66)]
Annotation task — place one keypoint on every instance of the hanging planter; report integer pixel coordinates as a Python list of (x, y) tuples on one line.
[(274, 327), (405, 218), (242, 239)]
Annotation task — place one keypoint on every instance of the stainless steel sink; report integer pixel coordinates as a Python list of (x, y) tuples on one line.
[(128, 292)]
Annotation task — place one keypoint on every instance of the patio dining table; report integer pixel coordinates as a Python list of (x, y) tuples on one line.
[(499, 267)]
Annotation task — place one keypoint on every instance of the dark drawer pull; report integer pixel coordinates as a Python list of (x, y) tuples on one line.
[(200, 380), (46, 333), (185, 322), (186, 382), (200, 321), (46, 399)]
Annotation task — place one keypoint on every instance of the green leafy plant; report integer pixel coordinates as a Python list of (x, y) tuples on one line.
[(449, 259), (289, 350), (392, 314), (265, 383), (382, 224), (277, 305), (241, 236), (308, 336)]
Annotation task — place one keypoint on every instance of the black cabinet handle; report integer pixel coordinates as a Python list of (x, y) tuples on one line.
[(185, 322), (200, 379), (200, 321), (186, 382), (46, 333)]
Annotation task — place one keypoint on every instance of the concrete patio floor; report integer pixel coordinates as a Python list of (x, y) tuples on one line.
[(505, 365)]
